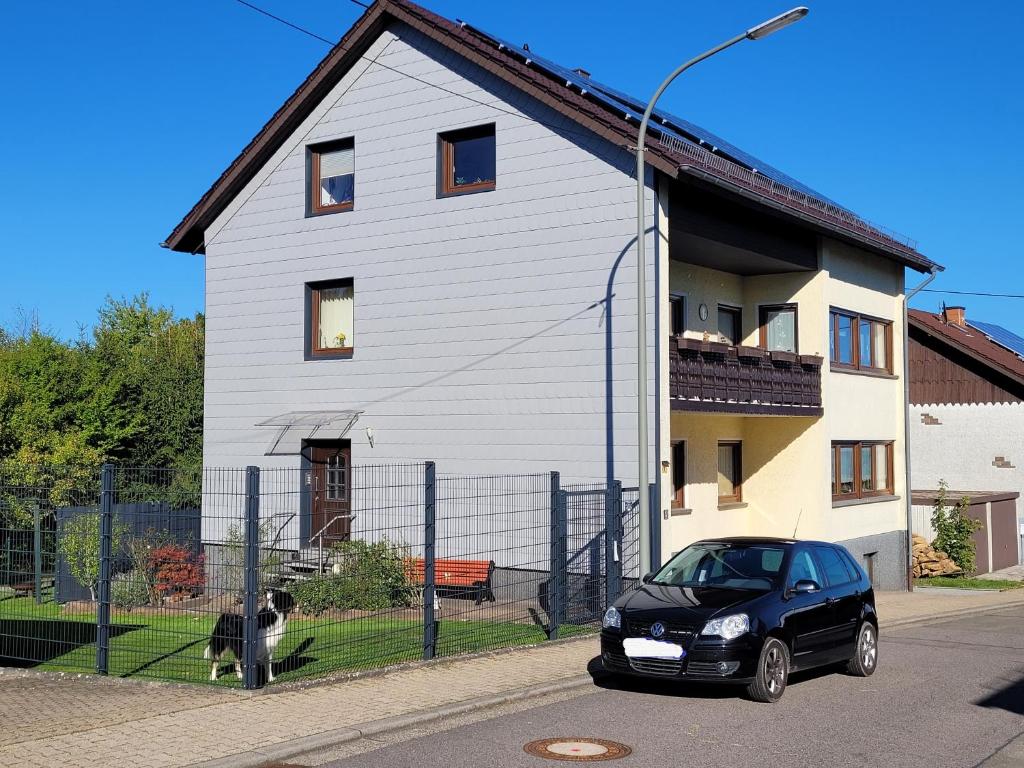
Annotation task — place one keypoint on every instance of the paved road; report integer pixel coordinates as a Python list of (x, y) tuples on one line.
[(945, 694)]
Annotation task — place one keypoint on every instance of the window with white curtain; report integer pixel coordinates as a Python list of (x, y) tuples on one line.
[(332, 318), (778, 328), (333, 169)]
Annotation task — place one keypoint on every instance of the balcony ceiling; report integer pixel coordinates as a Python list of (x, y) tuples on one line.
[(713, 232)]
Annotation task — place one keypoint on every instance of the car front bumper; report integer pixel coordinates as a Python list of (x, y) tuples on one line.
[(713, 661)]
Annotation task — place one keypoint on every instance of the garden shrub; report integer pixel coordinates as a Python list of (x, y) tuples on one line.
[(177, 571), (954, 530), (231, 567), (129, 590), (139, 549), (365, 576)]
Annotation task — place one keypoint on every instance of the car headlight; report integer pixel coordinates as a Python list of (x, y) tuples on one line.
[(612, 618), (728, 627)]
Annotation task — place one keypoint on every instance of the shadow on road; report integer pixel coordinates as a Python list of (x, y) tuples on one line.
[(1010, 697), (686, 689)]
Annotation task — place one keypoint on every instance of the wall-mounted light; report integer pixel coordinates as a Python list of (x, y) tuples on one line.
[(369, 436)]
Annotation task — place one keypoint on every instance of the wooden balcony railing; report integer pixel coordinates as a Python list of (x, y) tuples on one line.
[(710, 376)]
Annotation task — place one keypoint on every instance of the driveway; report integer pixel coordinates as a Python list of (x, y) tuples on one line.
[(946, 694)]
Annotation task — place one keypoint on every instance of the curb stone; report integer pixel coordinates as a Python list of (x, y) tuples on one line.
[(306, 744)]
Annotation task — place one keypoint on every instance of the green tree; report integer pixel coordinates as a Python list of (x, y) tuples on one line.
[(954, 530), (79, 543), (131, 392)]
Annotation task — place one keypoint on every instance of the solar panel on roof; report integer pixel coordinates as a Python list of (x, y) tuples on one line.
[(1000, 336), (633, 109)]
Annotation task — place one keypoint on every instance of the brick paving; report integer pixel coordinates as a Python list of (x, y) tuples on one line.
[(85, 722)]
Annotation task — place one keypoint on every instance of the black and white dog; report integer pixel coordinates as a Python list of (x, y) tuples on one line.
[(270, 623)]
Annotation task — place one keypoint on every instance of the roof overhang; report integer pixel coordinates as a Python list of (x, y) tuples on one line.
[(188, 235)]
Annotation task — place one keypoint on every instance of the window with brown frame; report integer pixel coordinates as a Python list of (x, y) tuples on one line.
[(730, 324), (679, 474), (862, 469), (779, 328), (330, 318), (677, 305), (859, 342), (332, 177), (467, 161), (730, 472)]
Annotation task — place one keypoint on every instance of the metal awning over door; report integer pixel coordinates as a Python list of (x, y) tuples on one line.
[(308, 424)]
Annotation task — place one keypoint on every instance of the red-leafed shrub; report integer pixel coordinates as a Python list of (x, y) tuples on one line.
[(177, 571)]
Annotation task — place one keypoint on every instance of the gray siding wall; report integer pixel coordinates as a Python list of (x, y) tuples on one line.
[(482, 327)]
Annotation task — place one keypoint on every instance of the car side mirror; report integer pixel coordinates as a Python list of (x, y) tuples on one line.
[(648, 578), (805, 587)]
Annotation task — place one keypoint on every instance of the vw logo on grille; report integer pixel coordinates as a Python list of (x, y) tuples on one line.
[(657, 629)]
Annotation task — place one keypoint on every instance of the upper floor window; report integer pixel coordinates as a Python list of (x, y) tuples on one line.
[(332, 173), (330, 318), (858, 342), (729, 324), (778, 328), (861, 469), (467, 161)]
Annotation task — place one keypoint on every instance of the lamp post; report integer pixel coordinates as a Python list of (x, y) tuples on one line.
[(754, 33)]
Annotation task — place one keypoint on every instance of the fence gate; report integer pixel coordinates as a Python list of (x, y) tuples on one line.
[(591, 550)]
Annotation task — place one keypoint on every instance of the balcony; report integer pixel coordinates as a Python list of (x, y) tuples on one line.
[(717, 378)]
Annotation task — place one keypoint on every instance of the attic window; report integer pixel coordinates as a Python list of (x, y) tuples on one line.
[(466, 161), (332, 177)]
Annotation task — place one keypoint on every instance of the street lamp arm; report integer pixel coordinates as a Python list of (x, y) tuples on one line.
[(668, 81), (754, 33)]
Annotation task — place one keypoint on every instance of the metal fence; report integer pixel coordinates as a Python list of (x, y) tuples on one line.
[(201, 575)]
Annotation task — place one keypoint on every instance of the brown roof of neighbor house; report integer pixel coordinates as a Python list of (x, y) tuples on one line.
[(967, 340), (672, 157)]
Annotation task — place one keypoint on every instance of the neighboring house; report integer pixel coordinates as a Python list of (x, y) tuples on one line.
[(967, 409), (433, 239)]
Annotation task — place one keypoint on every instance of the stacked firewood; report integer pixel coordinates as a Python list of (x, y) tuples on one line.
[(929, 561)]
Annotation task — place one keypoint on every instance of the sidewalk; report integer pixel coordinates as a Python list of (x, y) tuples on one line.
[(85, 721)]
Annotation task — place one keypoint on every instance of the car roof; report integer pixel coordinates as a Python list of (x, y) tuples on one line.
[(748, 540)]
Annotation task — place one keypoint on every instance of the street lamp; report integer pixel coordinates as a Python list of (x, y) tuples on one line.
[(754, 33)]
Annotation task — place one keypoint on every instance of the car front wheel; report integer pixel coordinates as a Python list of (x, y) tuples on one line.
[(772, 672), (865, 659)]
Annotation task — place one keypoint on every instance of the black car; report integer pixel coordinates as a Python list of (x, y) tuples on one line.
[(745, 610)]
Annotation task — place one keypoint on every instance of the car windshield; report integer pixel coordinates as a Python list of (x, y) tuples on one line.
[(726, 566)]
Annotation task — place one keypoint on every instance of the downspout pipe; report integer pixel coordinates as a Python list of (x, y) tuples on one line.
[(932, 274)]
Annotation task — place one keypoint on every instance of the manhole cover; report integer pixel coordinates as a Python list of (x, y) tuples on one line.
[(577, 750)]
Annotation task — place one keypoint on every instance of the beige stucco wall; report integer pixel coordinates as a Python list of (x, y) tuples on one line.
[(776, 492), (786, 460), (865, 407)]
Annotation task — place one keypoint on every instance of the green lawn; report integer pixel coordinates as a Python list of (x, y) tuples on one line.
[(170, 647), (968, 583)]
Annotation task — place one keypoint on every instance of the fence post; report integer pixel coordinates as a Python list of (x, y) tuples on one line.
[(655, 510), (613, 542), (37, 548), (250, 601), (106, 544), (556, 566), (429, 559)]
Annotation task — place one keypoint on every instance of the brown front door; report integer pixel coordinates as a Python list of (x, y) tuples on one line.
[(330, 487)]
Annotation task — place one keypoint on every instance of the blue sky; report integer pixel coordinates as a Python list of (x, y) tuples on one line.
[(118, 116)]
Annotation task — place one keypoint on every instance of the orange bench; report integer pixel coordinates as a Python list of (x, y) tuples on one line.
[(450, 575)]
